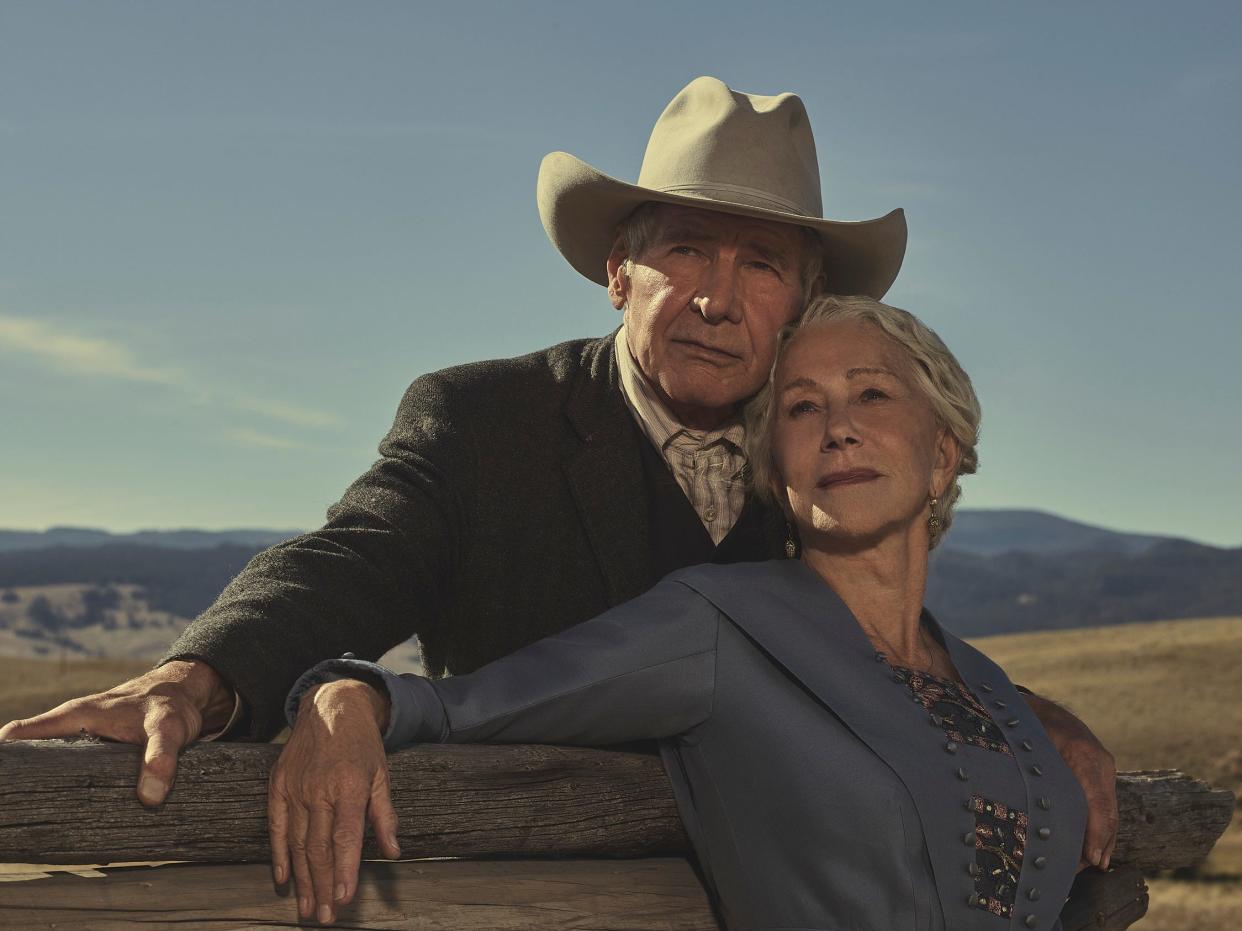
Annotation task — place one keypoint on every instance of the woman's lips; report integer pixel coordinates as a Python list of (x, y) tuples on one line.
[(849, 477)]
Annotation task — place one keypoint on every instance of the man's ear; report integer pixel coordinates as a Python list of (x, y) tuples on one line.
[(618, 280)]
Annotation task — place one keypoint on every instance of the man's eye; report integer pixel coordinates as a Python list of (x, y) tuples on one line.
[(684, 250)]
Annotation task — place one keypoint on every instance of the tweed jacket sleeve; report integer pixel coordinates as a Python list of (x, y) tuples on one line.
[(373, 575), (645, 669)]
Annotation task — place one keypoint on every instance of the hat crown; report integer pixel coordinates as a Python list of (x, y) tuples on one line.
[(720, 144)]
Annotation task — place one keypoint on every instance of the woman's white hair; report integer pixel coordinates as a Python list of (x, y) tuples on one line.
[(936, 373)]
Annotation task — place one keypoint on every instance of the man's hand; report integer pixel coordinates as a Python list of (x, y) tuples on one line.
[(163, 710), (1095, 769), (331, 776)]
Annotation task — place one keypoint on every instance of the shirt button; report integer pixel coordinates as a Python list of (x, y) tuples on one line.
[(1030, 921), (709, 512)]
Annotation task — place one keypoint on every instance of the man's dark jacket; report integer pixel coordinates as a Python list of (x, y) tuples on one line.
[(511, 501)]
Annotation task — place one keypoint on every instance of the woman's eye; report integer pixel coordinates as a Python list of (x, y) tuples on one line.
[(872, 394), (801, 407)]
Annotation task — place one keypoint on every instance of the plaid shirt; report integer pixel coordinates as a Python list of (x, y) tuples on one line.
[(709, 465)]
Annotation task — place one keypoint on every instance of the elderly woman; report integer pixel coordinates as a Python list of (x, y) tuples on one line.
[(839, 759)]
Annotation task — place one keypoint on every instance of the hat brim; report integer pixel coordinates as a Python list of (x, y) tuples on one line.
[(580, 208)]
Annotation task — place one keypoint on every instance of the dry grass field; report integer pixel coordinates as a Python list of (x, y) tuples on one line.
[(1160, 695), (1163, 695)]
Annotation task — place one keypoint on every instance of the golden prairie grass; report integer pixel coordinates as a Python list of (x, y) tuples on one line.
[(1161, 695)]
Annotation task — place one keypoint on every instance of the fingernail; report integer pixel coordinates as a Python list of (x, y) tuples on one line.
[(325, 914), (151, 790), (1096, 855), (304, 908), (280, 875), (393, 845), (340, 891)]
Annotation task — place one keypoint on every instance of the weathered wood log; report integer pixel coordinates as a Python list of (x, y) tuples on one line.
[(1168, 820), (74, 802), (457, 894), (527, 895)]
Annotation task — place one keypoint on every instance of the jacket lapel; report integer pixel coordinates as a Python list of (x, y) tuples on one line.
[(606, 477)]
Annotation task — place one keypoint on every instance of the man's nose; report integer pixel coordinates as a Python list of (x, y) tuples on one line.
[(716, 296)]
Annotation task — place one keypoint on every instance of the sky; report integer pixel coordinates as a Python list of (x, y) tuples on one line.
[(231, 233)]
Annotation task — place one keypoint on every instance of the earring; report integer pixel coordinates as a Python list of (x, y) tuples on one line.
[(933, 522), (791, 548)]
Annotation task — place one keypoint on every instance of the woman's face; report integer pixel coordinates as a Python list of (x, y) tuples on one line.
[(856, 445)]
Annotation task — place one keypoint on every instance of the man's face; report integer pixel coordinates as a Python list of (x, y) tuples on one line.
[(703, 305)]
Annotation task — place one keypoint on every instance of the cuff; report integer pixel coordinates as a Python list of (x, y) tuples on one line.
[(415, 714), (228, 726)]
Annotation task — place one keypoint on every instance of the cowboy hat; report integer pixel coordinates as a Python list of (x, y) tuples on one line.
[(719, 149)]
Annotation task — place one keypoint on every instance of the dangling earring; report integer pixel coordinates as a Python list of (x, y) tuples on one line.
[(933, 522), (791, 548)]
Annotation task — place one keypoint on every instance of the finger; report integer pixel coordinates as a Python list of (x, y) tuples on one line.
[(383, 816), (347, 847), (319, 854), (278, 829), (1099, 831), (1108, 850), (159, 759), (299, 821), (65, 720)]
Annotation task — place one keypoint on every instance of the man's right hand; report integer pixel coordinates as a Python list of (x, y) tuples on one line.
[(161, 710)]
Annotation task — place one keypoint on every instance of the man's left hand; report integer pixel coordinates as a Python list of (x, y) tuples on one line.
[(1095, 769)]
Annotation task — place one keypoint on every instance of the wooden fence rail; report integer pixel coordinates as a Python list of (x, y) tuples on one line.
[(73, 802)]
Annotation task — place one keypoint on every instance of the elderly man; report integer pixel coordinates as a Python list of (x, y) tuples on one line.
[(515, 498)]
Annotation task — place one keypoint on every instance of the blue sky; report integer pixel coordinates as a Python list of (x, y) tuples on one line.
[(231, 233)]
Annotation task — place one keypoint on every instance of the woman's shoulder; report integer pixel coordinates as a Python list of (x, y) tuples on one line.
[(746, 580)]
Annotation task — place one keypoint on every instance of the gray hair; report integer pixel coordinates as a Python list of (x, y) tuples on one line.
[(643, 226), (936, 373)]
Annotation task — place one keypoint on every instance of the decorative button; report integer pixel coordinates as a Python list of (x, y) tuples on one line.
[(969, 838), (950, 747), (1044, 833), (985, 686), (1030, 921), (348, 656), (1027, 745), (1041, 862), (1032, 894), (999, 704), (975, 869), (973, 900), (1044, 803), (1037, 770), (709, 512), (961, 774)]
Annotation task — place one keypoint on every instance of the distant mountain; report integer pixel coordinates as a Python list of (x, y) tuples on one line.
[(977, 594), (997, 572), (984, 532), (11, 540), (988, 532)]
